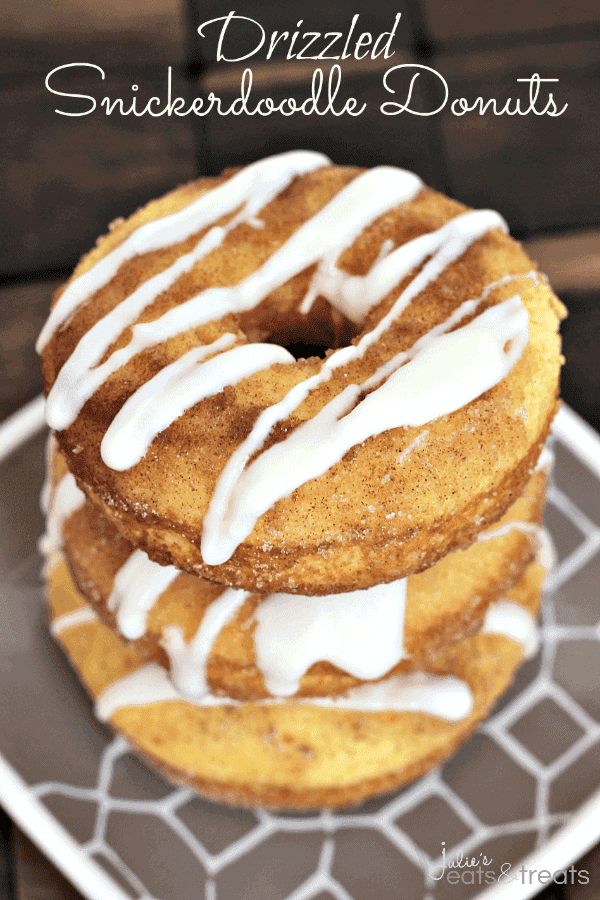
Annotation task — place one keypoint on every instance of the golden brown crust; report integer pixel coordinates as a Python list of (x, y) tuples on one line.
[(369, 518), (444, 605), (289, 756)]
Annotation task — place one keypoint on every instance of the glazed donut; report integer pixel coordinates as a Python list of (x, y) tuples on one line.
[(282, 644), (293, 755), (192, 428)]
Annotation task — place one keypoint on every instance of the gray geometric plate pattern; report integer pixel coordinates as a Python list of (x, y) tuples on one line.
[(519, 782)]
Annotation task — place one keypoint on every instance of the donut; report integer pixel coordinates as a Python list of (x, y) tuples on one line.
[(316, 753), (294, 539), (351, 638), (190, 425)]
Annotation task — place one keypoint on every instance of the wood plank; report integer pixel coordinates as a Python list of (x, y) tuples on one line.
[(24, 309), (539, 171), (67, 178), (571, 261), (446, 21), (37, 36)]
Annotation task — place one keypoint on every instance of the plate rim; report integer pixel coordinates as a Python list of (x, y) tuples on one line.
[(567, 845), (16, 796), (52, 838)]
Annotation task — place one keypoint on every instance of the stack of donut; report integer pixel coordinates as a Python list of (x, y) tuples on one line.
[(296, 484)]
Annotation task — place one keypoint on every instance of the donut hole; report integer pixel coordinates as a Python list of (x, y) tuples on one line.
[(304, 336), (302, 350)]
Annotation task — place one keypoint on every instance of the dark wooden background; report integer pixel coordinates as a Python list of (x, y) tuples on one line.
[(65, 179)]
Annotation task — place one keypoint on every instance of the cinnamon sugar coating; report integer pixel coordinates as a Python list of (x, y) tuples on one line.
[(384, 510)]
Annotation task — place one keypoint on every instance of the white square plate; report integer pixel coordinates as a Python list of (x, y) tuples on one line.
[(521, 792)]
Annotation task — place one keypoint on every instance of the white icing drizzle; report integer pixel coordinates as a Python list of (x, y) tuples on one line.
[(438, 379), (253, 187), (82, 374), (364, 200), (360, 632), (73, 619), (355, 295), (144, 687), (137, 586), (326, 234), (443, 696), (233, 470), (66, 499), (176, 388), (48, 485), (545, 461), (545, 552), (513, 621), (531, 529), (188, 661)]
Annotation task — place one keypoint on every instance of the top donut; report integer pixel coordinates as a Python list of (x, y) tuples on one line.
[(187, 421)]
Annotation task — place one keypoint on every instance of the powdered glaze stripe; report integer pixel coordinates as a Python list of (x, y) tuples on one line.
[(545, 462), (66, 499), (145, 686), (442, 696), (515, 622), (255, 186), (438, 380), (137, 586), (188, 661), (175, 389), (360, 632), (545, 552), (83, 616), (447, 244)]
